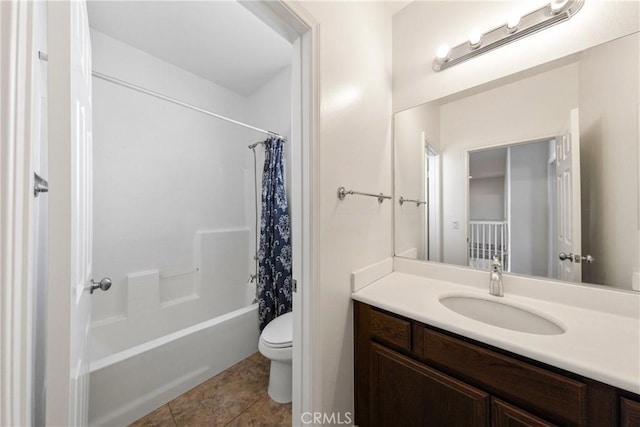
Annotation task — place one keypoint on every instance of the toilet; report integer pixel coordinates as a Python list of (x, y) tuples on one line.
[(276, 343)]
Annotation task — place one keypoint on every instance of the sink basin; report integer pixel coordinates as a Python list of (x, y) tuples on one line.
[(502, 315)]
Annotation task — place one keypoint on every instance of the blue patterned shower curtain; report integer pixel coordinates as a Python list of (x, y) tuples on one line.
[(274, 255)]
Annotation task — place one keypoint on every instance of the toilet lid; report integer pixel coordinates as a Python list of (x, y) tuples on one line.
[(279, 332)]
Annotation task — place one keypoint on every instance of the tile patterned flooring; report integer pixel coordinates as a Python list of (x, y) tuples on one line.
[(236, 397)]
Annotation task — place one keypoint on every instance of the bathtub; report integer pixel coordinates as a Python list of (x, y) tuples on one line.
[(127, 385)]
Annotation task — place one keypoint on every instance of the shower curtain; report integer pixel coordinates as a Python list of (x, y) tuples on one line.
[(274, 255)]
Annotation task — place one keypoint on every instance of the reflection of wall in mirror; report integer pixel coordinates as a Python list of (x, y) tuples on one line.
[(486, 199), (609, 95), (410, 126)]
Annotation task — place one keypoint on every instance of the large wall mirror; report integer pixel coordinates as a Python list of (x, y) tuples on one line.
[(538, 170)]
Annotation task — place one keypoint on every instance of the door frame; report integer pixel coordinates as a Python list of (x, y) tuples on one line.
[(16, 209), (305, 196), (291, 20)]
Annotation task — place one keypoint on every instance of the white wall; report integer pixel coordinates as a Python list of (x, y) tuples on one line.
[(409, 160), (609, 97), (269, 108), (529, 208), (422, 26), (355, 152), (486, 199), (173, 195), (538, 106)]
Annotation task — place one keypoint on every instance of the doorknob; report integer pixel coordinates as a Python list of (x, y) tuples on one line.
[(103, 284), (576, 258), (564, 257)]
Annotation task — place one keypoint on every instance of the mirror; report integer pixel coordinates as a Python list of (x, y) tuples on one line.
[(538, 170)]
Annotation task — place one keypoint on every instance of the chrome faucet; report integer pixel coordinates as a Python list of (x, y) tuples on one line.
[(495, 279)]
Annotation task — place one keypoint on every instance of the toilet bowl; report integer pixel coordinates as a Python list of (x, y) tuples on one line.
[(276, 343)]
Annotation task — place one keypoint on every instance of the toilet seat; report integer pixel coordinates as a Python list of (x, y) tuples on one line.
[(279, 332)]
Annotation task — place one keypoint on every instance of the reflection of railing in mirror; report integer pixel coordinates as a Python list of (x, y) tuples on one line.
[(488, 239), (418, 202)]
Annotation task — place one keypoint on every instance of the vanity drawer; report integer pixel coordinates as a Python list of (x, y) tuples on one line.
[(391, 329), (505, 415), (554, 397)]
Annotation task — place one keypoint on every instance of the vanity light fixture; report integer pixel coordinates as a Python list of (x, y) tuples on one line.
[(513, 21), (475, 38), (443, 52), (557, 5), (515, 28)]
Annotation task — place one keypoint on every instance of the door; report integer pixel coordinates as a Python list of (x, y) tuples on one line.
[(432, 205), (568, 239), (69, 306), (407, 393), (425, 196), (629, 412)]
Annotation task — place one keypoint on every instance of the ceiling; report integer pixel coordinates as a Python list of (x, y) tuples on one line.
[(220, 41)]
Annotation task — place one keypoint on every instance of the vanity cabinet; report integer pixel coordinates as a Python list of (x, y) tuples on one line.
[(408, 393), (411, 374)]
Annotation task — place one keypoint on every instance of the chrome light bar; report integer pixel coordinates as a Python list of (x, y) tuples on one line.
[(553, 13)]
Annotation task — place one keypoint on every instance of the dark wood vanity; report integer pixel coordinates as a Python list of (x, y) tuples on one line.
[(411, 374)]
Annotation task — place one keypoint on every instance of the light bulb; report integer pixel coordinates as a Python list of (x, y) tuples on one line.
[(443, 52), (557, 5), (475, 37), (512, 22)]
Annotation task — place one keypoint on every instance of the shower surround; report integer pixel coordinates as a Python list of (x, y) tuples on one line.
[(173, 228)]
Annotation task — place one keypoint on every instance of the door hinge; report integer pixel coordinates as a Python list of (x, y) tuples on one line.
[(295, 285), (40, 185)]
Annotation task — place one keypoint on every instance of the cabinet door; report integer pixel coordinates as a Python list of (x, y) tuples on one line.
[(407, 393), (630, 412), (505, 415)]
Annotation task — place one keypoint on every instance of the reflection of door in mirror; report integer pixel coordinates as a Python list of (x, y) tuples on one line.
[(568, 217), (432, 205)]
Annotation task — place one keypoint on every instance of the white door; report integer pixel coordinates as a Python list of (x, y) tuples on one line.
[(70, 153), (432, 205), (568, 219)]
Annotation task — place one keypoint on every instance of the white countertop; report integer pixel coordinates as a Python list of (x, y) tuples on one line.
[(597, 344)]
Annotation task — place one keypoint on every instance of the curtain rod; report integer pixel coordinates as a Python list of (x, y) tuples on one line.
[(44, 57)]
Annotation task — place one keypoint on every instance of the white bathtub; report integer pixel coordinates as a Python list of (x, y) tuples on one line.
[(129, 384)]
